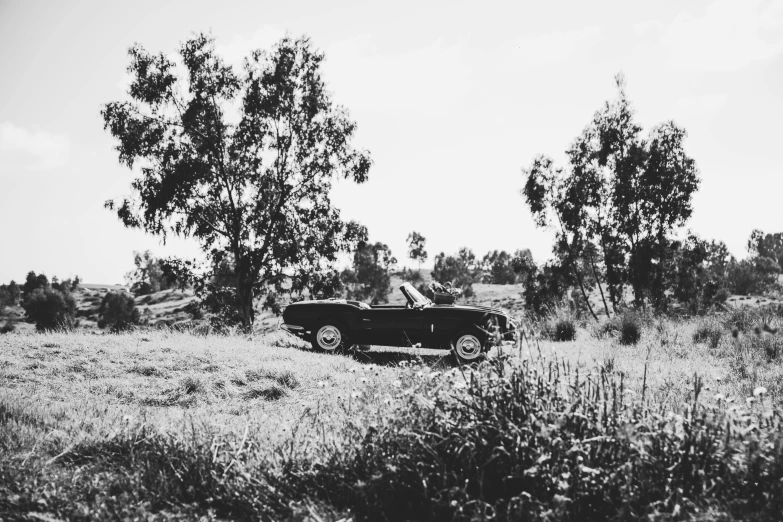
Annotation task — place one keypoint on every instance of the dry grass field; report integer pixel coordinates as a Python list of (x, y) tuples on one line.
[(177, 425)]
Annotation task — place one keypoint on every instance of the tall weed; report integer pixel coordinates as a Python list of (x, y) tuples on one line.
[(525, 441)]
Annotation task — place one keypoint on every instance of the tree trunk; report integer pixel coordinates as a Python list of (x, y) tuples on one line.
[(610, 275), (582, 288), (574, 268), (659, 294), (600, 288), (638, 286), (609, 271), (245, 295)]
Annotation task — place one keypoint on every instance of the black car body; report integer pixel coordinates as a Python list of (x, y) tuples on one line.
[(333, 324)]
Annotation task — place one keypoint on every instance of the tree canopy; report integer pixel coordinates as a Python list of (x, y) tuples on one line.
[(622, 197), (370, 277), (767, 245), (416, 247), (460, 270), (242, 161), (150, 275)]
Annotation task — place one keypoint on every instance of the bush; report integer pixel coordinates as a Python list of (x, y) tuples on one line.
[(118, 312), (50, 309), (630, 329), (560, 327), (627, 327), (195, 311), (8, 327), (565, 330), (708, 332)]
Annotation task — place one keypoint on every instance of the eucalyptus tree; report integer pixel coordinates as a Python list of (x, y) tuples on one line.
[(767, 245), (241, 161), (553, 201), (370, 278), (416, 247), (623, 193)]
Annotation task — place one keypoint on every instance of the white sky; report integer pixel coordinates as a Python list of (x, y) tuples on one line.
[(452, 99)]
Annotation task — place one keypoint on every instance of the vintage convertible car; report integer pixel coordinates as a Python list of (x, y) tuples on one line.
[(333, 324)]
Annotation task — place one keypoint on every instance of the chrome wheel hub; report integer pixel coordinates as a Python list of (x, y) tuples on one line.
[(468, 347), (329, 337)]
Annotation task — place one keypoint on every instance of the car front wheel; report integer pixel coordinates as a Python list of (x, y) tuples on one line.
[(469, 346), (328, 338)]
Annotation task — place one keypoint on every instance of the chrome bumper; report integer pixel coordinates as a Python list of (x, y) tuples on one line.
[(294, 329)]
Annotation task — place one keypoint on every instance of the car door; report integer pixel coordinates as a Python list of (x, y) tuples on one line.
[(438, 326), (391, 326)]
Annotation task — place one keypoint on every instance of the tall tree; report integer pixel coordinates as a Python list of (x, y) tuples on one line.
[(502, 268), (623, 193), (460, 270), (416, 245), (767, 245), (33, 282), (9, 294), (549, 191), (370, 278), (149, 276), (243, 162)]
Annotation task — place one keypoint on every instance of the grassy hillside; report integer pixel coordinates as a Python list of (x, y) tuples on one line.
[(168, 306), (241, 427)]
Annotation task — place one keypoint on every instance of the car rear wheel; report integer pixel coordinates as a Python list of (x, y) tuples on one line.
[(469, 346), (328, 338)]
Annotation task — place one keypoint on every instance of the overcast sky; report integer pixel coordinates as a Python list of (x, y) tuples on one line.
[(452, 99)]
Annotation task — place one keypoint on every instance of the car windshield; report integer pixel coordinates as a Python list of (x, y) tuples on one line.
[(415, 295)]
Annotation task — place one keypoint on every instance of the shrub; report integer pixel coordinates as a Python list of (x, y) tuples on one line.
[(8, 327), (50, 309), (627, 327), (708, 332), (630, 328), (195, 311), (565, 330), (560, 328), (118, 312)]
